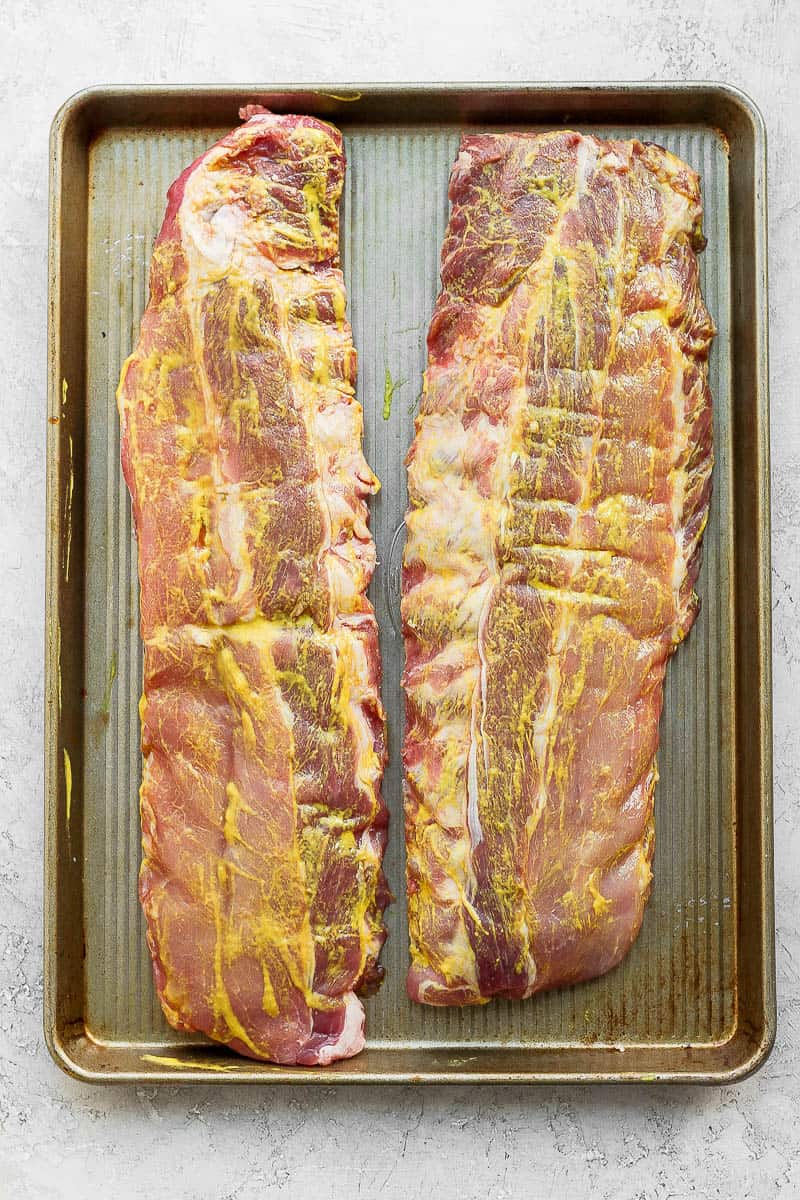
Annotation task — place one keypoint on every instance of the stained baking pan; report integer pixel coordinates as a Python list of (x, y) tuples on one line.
[(695, 999)]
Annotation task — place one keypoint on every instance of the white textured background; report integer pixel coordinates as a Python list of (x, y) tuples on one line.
[(61, 1139)]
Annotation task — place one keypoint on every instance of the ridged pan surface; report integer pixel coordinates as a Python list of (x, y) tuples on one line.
[(678, 985)]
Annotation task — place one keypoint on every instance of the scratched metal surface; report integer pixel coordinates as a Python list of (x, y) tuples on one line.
[(678, 986)]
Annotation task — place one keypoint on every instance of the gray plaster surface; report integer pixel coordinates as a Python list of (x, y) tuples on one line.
[(62, 1139)]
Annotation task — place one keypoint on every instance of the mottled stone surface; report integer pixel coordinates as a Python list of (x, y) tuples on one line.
[(61, 1139)]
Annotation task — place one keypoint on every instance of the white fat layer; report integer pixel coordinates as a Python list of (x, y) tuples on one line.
[(231, 528), (473, 817), (216, 236), (350, 1040)]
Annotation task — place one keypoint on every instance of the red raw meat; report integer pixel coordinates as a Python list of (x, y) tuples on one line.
[(262, 727), (559, 486)]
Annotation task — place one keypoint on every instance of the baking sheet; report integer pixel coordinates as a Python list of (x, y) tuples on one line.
[(694, 999)]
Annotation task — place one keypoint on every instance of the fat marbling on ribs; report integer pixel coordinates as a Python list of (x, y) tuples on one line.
[(262, 728), (559, 485)]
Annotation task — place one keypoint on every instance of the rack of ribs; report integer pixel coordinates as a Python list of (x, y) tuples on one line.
[(262, 728), (559, 485)]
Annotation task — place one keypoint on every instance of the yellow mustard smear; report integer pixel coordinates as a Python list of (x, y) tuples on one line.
[(164, 1061), (236, 805), (344, 99), (314, 197), (339, 305), (68, 782), (389, 388), (112, 675), (220, 999)]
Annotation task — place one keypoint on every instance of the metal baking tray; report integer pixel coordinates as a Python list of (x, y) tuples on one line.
[(695, 999)]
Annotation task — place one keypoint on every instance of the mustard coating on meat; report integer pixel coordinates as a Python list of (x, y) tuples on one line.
[(262, 727), (559, 483)]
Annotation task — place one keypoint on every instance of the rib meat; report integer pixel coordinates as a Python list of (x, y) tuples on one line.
[(559, 485), (262, 728)]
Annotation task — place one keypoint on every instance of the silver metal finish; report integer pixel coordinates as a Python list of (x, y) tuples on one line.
[(695, 997)]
